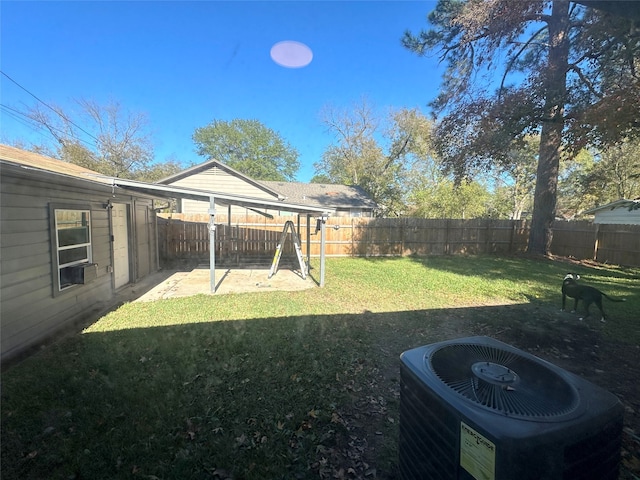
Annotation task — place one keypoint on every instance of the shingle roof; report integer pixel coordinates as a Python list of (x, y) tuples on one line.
[(36, 162), (313, 194), (623, 202), (324, 195), (41, 162)]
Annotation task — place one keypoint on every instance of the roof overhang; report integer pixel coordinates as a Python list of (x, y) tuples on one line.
[(209, 164), (624, 203), (169, 191), (172, 191)]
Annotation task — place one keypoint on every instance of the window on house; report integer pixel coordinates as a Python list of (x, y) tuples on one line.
[(72, 243)]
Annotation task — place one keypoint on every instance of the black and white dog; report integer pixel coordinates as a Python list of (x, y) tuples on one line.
[(588, 295)]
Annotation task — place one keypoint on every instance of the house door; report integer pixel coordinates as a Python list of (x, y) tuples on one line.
[(120, 245), (142, 241)]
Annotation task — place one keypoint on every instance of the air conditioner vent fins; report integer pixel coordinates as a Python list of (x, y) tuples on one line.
[(477, 408), (504, 382)]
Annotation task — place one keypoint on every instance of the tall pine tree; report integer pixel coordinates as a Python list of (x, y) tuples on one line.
[(565, 71)]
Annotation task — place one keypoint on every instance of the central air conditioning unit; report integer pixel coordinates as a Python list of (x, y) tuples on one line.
[(479, 409)]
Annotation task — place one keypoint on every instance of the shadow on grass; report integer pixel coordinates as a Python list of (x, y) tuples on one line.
[(517, 267), (290, 397)]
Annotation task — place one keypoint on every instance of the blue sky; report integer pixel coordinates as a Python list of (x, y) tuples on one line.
[(186, 64)]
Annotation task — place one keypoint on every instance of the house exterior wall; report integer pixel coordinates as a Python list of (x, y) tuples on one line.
[(216, 179), (354, 212), (31, 307), (618, 216)]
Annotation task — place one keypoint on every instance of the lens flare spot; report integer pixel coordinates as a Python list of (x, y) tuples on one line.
[(291, 54)]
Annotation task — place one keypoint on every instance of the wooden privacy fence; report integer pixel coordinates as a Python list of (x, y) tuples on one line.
[(253, 239), (613, 244)]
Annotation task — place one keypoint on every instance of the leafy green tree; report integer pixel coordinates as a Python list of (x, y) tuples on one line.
[(617, 172), (249, 147), (596, 179), (78, 153), (320, 178), (446, 199), (566, 72), (500, 203), (157, 171), (431, 193), (574, 194), (519, 175), (376, 153)]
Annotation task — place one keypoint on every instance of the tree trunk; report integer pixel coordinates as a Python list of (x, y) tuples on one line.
[(544, 202)]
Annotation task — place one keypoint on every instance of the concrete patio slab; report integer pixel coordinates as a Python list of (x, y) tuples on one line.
[(228, 280)]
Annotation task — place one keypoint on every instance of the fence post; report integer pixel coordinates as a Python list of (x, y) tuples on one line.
[(169, 238), (488, 233), (446, 237), (513, 235), (596, 241)]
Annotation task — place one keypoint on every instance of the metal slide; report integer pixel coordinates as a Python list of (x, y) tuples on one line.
[(296, 243)]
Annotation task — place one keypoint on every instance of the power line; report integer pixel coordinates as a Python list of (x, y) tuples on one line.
[(50, 107), (52, 129), (18, 117), (21, 118), (36, 126)]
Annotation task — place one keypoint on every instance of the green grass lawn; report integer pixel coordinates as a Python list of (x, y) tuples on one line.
[(269, 385)]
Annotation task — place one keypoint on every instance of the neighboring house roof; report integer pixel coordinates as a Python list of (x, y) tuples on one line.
[(622, 203), (212, 164), (222, 198), (312, 194), (40, 163), (325, 195)]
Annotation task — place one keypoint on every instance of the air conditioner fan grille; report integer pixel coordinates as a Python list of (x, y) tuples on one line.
[(503, 381)]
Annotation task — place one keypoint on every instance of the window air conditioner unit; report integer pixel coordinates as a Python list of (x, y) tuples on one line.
[(84, 273), (479, 409)]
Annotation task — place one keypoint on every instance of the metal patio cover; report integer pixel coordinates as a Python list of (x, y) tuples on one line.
[(170, 191)]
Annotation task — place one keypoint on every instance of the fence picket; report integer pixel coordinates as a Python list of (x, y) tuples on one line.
[(247, 238)]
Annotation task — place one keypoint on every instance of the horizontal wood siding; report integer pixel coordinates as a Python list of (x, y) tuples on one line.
[(618, 216), (29, 311), (35, 317), (197, 207), (216, 179), (247, 238)]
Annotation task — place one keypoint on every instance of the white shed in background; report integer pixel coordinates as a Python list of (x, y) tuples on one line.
[(620, 212)]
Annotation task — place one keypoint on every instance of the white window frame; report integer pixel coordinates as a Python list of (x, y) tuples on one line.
[(62, 266)]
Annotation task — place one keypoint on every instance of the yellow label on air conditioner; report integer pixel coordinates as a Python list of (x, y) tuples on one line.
[(477, 454)]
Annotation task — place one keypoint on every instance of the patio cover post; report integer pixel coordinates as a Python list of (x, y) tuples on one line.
[(212, 244), (308, 243), (168, 191), (322, 243)]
